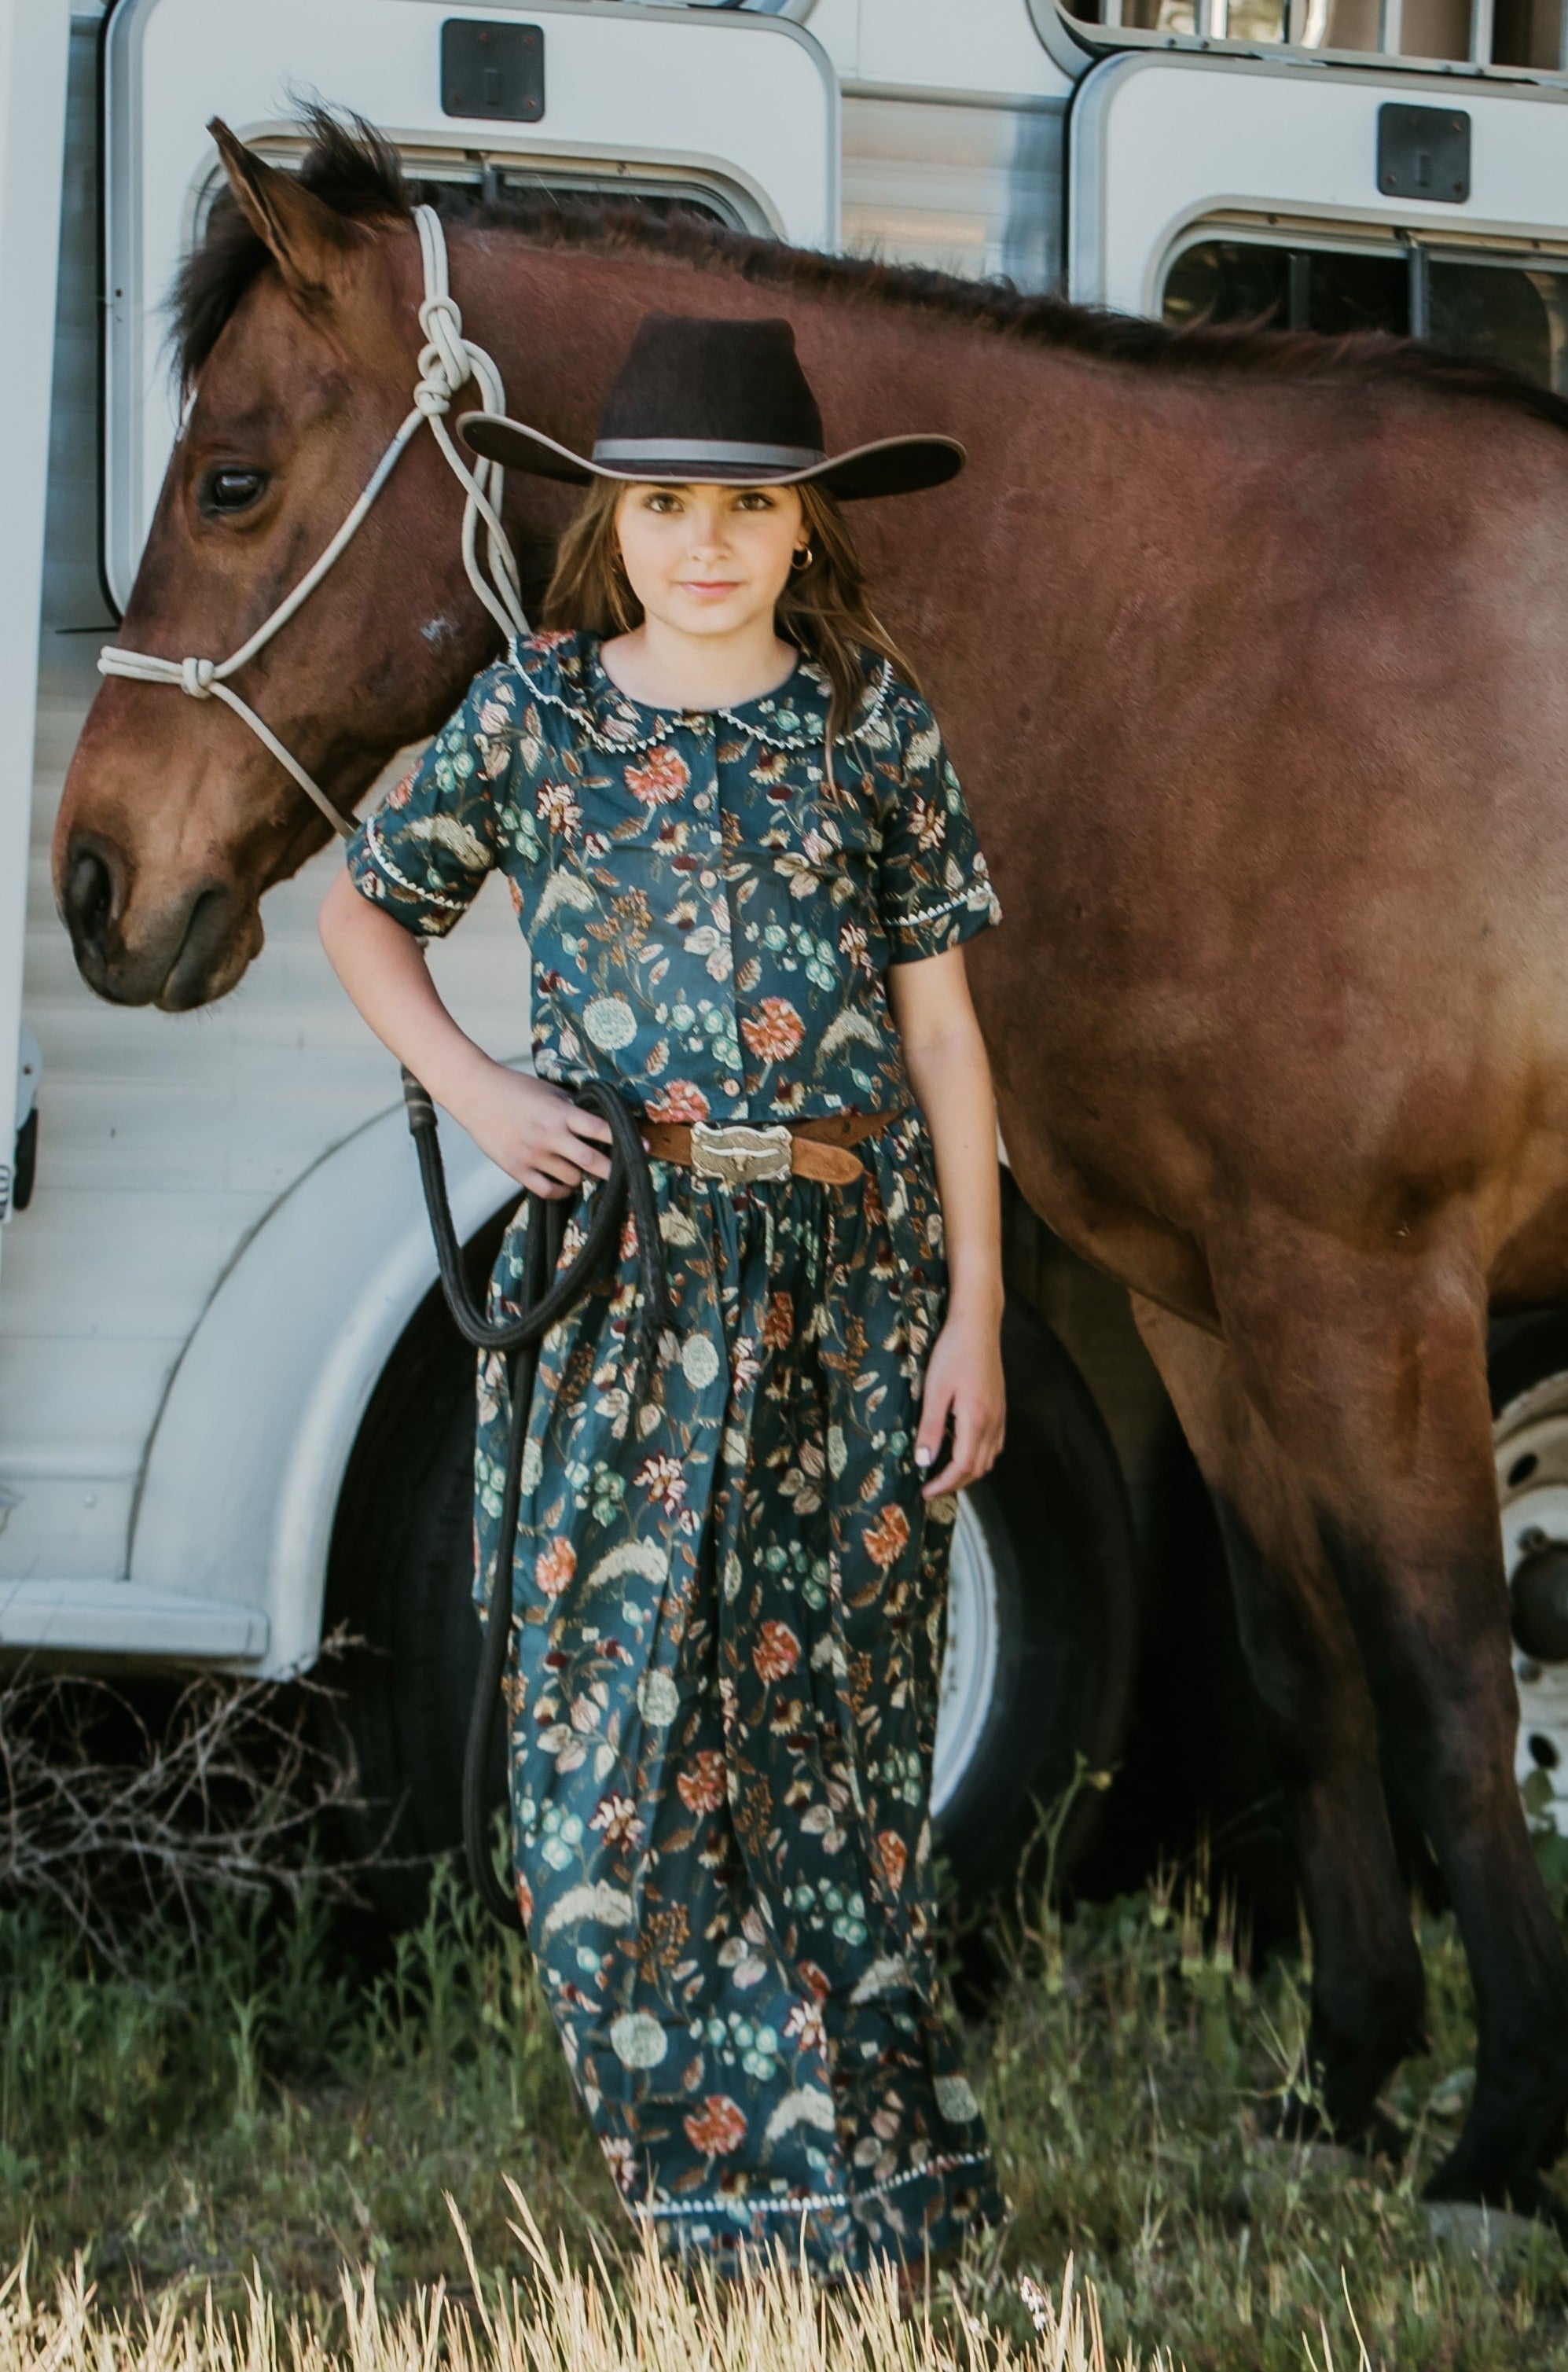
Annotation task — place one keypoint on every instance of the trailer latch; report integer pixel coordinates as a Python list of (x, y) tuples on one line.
[(493, 70), (17, 1176), (1425, 152)]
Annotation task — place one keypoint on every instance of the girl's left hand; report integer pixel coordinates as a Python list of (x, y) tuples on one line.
[(963, 1382)]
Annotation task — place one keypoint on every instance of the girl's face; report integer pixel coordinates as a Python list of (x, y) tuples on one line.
[(710, 560)]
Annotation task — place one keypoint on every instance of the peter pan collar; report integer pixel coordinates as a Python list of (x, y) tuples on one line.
[(565, 672)]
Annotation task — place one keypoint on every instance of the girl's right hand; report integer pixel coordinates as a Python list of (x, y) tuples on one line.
[(533, 1131)]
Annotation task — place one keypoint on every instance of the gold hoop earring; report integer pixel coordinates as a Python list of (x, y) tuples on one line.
[(803, 559)]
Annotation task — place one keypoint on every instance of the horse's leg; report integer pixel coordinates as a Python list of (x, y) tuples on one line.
[(1369, 1370), (1368, 1992)]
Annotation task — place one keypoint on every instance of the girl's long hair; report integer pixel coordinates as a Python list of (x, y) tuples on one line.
[(823, 608)]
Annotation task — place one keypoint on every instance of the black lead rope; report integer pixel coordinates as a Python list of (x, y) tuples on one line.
[(546, 1298)]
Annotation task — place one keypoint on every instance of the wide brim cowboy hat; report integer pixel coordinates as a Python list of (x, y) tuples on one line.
[(716, 403)]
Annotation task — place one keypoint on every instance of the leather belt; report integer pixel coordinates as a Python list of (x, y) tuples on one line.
[(739, 1154)]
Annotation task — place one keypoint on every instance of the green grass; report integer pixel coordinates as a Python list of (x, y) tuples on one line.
[(248, 2093), (1132, 2074)]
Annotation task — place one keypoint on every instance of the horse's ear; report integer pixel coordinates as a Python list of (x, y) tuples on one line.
[(307, 241)]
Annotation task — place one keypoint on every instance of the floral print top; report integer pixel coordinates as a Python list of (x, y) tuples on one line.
[(710, 912)]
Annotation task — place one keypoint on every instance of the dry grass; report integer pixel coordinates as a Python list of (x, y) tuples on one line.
[(558, 2317), (232, 2113), (109, 1809)]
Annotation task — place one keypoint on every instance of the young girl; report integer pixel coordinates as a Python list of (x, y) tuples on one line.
[(744, 868)]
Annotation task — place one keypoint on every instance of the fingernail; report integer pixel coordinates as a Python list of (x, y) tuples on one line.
[(923, 1456)]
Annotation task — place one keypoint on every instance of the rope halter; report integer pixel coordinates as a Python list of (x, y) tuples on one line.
[(447, 361)]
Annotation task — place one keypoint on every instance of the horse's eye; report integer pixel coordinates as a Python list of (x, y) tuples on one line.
[(230, 490)]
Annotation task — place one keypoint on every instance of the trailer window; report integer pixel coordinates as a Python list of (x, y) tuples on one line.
[(1503, 310), (1502, 313), (1330, 290), (455, 185), (1480, 33)]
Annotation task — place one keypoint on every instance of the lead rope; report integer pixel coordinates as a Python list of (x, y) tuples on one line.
[(548, 1293), (447, 361)]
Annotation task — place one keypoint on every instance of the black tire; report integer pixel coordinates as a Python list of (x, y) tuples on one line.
[(1523, 1349), (1048, 1528), (400, 1585), (1053, 1518)]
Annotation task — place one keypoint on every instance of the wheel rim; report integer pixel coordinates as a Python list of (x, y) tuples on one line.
[(1531, 1437), (969, 1667)]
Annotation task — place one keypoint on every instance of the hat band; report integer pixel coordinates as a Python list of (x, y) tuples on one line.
[(625, 452)]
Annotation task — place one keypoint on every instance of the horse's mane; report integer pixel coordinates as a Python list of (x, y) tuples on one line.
[(352, 168), (348, 166)]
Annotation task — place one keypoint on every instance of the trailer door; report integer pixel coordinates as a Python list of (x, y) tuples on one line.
[(34, 43), (1257, 167), (735, 113)]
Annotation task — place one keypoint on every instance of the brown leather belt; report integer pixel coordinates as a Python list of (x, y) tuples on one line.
[(739, 1154)]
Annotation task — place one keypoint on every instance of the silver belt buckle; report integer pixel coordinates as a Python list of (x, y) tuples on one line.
[(737, 1156)]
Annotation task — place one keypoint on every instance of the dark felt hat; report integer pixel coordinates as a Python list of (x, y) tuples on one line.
[(721, 402)]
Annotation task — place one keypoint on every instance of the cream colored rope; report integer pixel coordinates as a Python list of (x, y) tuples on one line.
[(448, 362)]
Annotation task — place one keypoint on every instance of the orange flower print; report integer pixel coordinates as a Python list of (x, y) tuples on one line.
[(617, 1820), (525, 1898), (681, 1100), (774, 1030), (556, 807), (806, 2026), (889, 1536), (928, 822), (777, 1651), (855, 943), (554, 1566), (716, 2129), (664, 1480), (662, 777), (895, 1855), (779, 1324), (702, 1788)]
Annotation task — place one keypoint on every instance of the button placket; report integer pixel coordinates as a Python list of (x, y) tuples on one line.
[(734, 1085)]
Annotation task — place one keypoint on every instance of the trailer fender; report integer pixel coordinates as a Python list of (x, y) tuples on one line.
[(250, 1444)]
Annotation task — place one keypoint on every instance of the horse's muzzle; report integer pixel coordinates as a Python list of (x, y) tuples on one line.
[(190, 952)]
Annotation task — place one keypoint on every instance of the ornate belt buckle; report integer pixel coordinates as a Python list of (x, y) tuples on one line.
[(739, 1156)]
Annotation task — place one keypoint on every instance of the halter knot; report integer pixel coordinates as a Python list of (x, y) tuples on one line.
[(196, 677), (445, 363)]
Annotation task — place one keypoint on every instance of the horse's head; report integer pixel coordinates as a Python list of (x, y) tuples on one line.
[(300, 345)]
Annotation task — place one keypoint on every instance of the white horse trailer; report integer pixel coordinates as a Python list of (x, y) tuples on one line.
[(217, 1283)]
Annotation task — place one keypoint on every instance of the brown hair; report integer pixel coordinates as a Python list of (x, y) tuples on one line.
[(822, 609)]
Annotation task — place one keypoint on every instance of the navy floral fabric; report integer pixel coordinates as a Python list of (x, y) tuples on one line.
[(709, 916), (728, 1602)]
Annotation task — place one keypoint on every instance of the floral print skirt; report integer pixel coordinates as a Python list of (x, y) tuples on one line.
[(729, 1609)]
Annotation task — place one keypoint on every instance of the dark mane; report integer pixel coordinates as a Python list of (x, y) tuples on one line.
[(351, 167), (998, 306)]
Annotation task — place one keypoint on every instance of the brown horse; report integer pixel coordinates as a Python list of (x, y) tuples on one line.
[(1253, 652)]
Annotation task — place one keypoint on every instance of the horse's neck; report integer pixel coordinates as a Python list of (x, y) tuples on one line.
[(559, 321)]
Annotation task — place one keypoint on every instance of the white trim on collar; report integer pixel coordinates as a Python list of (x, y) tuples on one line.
[(670, 720)]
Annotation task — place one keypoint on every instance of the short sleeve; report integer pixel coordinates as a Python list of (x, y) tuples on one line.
[(935, 889), (422, 855)]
